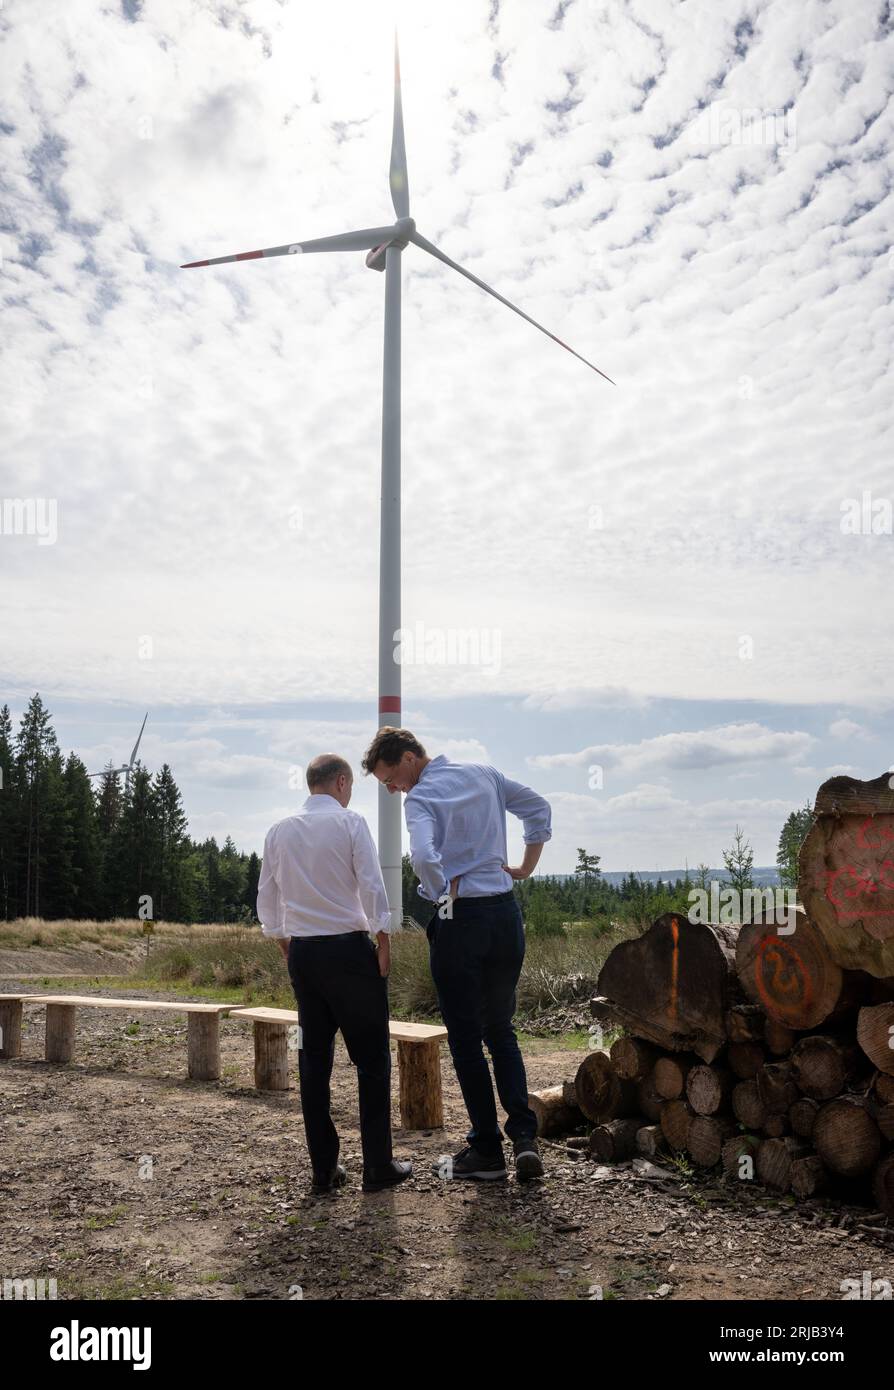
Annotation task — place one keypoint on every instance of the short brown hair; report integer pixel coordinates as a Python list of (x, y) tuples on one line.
[(324, 769), (389, 746)]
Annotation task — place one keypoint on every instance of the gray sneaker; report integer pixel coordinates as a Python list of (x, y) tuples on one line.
[(528, 1163), (469, 1163)]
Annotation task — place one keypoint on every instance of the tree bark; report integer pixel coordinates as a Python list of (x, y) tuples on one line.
[(554, 1115), (706, 1137), (821, 1065), (670, 1075), (632, 1058), (748, 1107), (809, 1176), (746, 1059), (774, 1161), (614, 1141), (676, 1116), (674, 985), (600, 1093)]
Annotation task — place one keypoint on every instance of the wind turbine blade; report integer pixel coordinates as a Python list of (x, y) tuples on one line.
[(137, 744), (397, 174), (363, 240), (439, 255)]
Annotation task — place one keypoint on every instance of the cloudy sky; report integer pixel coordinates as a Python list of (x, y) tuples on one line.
[(677, 587)]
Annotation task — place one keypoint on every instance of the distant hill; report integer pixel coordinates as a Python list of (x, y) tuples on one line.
[(764, 876)]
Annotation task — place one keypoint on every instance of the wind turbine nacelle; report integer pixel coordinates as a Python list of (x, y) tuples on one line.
[(375, 259)]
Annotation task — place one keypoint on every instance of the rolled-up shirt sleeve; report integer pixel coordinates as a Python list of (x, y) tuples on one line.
[(270, 906), (425, 858), (531, 809), (370, 883)]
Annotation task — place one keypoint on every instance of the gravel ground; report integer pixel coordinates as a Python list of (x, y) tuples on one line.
[(122, 1179)]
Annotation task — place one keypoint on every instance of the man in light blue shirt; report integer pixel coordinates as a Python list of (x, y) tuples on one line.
[(456, 817)]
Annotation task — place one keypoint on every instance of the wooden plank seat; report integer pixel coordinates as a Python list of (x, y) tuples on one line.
[(418, 1061), (203, 1026)]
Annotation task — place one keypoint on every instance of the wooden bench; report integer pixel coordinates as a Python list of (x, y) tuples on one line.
[(418, 1044), (203, 1037), (418, 1062)]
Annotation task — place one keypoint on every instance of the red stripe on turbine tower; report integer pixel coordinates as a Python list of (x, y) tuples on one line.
[(389, 704)]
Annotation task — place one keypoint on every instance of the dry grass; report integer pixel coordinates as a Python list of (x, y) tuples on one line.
[(239, 961)]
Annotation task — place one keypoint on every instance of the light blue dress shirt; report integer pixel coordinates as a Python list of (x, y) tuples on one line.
[(456, 816)]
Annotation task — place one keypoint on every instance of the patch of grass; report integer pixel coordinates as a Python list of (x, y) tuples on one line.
[(102, 1223), (520, 1285), (208, 1279)]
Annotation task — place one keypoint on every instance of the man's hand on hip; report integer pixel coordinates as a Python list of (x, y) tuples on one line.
[(384, 953)]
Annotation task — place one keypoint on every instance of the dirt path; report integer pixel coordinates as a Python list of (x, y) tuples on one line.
[(122, 1179)]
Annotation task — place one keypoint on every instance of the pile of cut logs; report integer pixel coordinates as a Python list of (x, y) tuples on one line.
[(767, 1048)]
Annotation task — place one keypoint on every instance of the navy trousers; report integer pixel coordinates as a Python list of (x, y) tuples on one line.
[(476, 959), (337, 985)]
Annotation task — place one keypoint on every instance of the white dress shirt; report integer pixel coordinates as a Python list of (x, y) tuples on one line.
[(456, 816), (320, 874)]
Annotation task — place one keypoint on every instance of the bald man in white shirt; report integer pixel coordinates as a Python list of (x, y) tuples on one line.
[(322, 896)]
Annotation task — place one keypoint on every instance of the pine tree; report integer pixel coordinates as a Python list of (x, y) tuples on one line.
[(170, 845), (791, 838), (250, 897), (8, 819), (738, 861), (35, 746), (86, 846), (132, 861)]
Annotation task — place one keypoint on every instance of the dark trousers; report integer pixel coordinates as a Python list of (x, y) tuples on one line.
[(476, 959), (338, 986)]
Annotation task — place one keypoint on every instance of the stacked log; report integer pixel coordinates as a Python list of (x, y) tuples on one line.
[(765, 1049)]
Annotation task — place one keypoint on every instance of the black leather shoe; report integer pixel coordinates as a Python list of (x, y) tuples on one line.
[(377, 1179), (337, 1178)]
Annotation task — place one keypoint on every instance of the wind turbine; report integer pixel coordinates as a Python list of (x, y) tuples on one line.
[(127, 769), (385, 245)]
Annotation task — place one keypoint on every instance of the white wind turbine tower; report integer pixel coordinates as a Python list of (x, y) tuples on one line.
[(385, 245), (127, 769)]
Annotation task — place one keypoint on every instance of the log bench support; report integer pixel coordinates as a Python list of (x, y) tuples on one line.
[(10, 1027), (203, 1047), (61, 1016), (418, 1062), (271, 1056), (60, 1036), (419, 1082)]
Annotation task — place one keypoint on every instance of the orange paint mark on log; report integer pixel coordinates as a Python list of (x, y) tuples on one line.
[(673, 1002), (780, 971)]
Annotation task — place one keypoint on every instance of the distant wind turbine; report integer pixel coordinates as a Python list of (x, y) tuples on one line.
[(385, 245), (127, 769)]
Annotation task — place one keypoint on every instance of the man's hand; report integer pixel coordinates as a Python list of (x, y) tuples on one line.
[(384, 953), (283, 942), (528, 865), (454, 886)]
